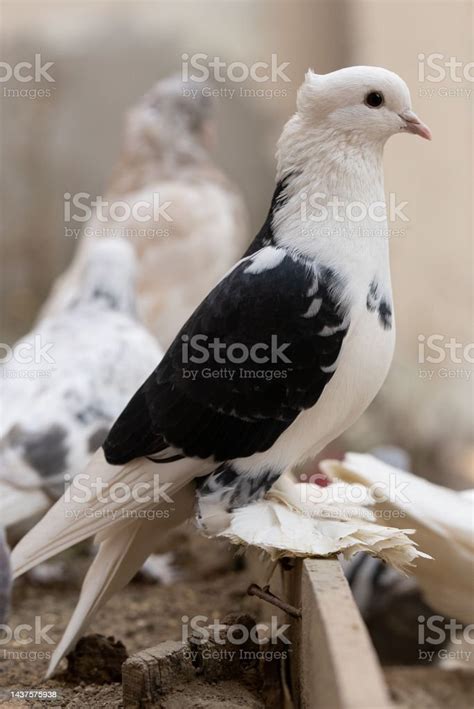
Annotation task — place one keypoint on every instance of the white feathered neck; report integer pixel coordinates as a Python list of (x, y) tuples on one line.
[(348, 160), (323, 164)]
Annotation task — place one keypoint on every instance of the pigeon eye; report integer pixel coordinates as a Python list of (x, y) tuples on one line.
[(374, 99)]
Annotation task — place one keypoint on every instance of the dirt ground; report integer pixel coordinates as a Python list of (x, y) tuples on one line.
[(212, 582)]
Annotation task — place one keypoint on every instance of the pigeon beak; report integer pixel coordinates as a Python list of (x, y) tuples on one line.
[(414, 125)]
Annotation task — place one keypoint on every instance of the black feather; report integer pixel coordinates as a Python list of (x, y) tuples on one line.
[(225, 417)]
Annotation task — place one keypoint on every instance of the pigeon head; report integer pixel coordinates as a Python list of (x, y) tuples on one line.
[(171, 127), (361, 102), (172, 111)]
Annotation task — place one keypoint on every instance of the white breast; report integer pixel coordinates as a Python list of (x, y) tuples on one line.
[(362, 366)]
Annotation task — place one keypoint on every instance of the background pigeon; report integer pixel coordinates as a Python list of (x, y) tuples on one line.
[(202, 228), (326, 297), (67, 381)]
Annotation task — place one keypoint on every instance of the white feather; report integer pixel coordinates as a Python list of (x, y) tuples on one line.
[(443, 520), (298, 519), (93, 505), (118, 558)]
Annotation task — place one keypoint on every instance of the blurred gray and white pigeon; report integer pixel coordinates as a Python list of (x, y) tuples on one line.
[(67, 381)]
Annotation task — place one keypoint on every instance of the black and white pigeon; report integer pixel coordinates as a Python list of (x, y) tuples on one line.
[(210, 419), (67, 381)]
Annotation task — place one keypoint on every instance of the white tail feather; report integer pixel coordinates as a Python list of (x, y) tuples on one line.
[(118, 559), (95, 503)]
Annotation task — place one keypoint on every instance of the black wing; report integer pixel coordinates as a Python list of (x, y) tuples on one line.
[(206, 402)]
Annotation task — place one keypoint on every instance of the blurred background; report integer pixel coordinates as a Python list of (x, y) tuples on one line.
[(106, 54)]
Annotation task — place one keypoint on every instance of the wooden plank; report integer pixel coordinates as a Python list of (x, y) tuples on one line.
[(153, 677), (149, 674), (334, 665)]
